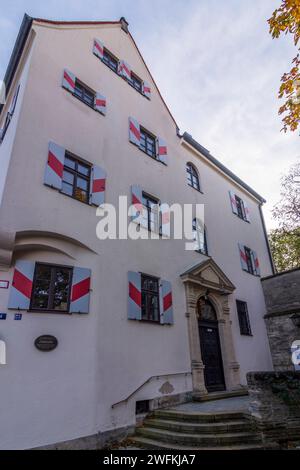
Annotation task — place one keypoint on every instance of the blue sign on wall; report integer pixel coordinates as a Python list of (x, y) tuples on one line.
[(2, 316), (18, 316)]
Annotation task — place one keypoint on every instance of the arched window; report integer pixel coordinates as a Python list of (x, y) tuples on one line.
[(199, 233), (192, 176)]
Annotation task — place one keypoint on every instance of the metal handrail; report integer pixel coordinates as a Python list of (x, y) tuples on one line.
[(147, 381)]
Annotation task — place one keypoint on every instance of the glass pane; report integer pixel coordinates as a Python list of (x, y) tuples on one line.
[(68, 177), (88, 98), (83, 169), (43, 272), (41, 293), (67, 189), (61, 289), (69, 162), (82, 183), (81, 195), (153, 307)]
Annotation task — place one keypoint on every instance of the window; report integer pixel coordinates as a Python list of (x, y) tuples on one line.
[(192, 176), (110, 60), (150, 213), (150, 298), (84, 93), (9, 115), (249, 260), (243, 316), (51, 288), (240, 208), (76, 178), (199, 233), (136, 82), (148, 143)]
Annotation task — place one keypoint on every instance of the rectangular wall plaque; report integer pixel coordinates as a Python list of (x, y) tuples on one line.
[(4, 284), (2, 316), (18, 316)]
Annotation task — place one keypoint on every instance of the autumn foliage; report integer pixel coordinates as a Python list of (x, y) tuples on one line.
[(286, 20)]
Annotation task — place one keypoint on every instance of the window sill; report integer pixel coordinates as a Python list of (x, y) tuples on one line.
[(251, 274), (241, 218), (247, 334), (59, 312), (151, 322), (150, 156), (198, 190), (75, 199)]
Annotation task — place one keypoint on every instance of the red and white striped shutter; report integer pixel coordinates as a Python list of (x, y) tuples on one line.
[(98, 183), (233, 202), (80, 290), (137, 203), (124, 69), (162, 151), (167, 303), (100, 103), (21, 289), (147, 90), (69, 81), (134, 131), (165, 220), (256, 263), (247, 212), (98, 48), (55, 166), (134, 296), (243, 257)]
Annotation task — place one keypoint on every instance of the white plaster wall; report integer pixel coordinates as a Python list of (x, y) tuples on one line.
[(103, 357)]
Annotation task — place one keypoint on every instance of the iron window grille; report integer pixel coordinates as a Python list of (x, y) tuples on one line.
[(150, 298), (76, 178), (51, 288), (250, 260), (243, 316)]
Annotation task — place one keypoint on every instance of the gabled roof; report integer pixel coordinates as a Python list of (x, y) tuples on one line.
[(17, 53)]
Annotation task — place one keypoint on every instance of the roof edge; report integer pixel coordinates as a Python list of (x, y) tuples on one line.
[(17, 53), (190, 140)]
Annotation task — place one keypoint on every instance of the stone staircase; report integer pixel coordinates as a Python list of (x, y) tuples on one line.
[(182, 430)]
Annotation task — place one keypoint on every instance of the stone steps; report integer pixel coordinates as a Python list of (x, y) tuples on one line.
[(146, 443), (195, 427), (199, 439), (176, 429)]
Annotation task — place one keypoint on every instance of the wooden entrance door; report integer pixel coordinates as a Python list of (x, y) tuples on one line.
[(210, 347)]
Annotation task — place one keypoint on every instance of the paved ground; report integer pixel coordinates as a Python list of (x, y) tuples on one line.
[(227, 404)]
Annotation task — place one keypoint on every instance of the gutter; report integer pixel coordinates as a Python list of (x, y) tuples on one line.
[(17, 53)]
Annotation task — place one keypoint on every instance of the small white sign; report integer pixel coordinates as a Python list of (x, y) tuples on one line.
[(4, 284), (2, 353)]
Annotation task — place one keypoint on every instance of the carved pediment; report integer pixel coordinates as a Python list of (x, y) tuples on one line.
[(208, 274)]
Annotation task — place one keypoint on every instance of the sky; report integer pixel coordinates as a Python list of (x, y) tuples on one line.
[(216, 66)]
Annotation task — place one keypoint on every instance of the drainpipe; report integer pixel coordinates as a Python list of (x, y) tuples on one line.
[(266, 238)]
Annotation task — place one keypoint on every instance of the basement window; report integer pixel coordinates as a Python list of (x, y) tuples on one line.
[(142, 407)]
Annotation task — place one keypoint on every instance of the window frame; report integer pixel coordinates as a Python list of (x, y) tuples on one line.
[(192, 173), (148, 208), (87, 89), (205, 251), (153, 293), (51, 288), (244, 324), (151, 136), (112, 59), (249, 260), (77, 174), (9, 114), (240, 207), (136, 79)]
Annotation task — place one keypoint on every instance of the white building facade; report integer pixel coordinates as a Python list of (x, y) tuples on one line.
[(131, 323)]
